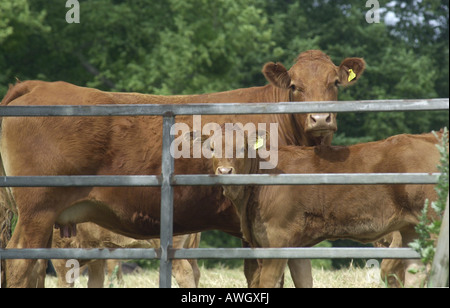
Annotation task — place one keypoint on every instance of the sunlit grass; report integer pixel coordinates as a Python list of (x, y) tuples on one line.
[(222, 277)]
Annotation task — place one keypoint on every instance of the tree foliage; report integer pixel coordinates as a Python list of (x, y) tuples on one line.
[(198, 46)]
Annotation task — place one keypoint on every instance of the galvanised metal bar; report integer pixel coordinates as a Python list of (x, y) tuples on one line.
[(204, 179), (307, 179), (166, 233), (80, 181), (228, 108), (294, 253), (76, 253), (440, 267), (208, 253)]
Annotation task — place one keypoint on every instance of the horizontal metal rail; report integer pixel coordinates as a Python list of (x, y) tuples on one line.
[(308, 179), (84, 253), (204, 179), (228, 108), (295, 253), (80, 181), (208, 253)]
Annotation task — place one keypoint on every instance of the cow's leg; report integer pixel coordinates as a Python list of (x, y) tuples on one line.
[(194, 242), (250, 270), (61, 271), (415, 274), (301, 272), (271, 272), (96, 271), (114, 268), (392, 271), (39, 273), (250, 267), (195, 271), (183, 270), (32, 232)]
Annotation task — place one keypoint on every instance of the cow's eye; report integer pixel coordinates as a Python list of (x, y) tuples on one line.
[(337, 83), (296, 88)]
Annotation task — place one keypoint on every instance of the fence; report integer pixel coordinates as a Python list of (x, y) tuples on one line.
[(167, 180)]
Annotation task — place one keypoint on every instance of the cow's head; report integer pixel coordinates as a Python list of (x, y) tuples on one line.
[(234, 151), (314, 77)]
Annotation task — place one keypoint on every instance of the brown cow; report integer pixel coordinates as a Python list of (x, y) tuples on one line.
[(132, 145), (302, 216), (392, 271)]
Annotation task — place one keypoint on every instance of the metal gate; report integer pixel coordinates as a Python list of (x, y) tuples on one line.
[(167, 180)]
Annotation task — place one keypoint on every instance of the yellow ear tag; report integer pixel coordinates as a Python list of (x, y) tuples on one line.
[(259, 143), (351, 75)]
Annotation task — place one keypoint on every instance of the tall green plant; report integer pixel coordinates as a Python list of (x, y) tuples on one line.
[(428, 228)]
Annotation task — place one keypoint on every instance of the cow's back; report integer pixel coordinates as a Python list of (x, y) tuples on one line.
[(397, 154), (339, 211), (53, 145)]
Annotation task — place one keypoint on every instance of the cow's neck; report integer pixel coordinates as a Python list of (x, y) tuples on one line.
[(243, 199), (290, 126)]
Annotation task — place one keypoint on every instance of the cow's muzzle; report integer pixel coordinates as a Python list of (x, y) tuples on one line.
[(225, 170), (321, 124)]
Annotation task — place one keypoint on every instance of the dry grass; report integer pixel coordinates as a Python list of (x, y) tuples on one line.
[(222, 277)]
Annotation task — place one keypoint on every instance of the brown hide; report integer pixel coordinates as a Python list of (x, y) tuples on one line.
[(300, 216)]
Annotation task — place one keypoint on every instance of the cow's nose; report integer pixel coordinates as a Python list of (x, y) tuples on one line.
[(321, 123), (320, 119), (224, 170)]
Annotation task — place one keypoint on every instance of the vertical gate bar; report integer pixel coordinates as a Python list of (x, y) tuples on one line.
[(167, 169), (439, 269)]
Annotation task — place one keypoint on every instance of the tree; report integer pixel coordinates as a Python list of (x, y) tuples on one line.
[(424, 26), (168, 47), (20, 29)]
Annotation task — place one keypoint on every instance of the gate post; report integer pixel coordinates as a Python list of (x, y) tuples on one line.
[(166, 232), (440, 269)]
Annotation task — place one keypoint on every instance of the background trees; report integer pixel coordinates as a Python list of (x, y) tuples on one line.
[(198, 46)]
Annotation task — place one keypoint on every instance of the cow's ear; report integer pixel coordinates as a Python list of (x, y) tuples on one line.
[(350, 70), (277, 75), (259, 139)]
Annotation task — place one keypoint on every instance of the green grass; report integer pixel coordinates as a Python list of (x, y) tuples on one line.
[(223, 277)]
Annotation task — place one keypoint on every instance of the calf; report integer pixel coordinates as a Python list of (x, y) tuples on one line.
[(302, 216)]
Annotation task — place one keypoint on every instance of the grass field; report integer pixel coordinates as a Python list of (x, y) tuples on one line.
[(221, 277)]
